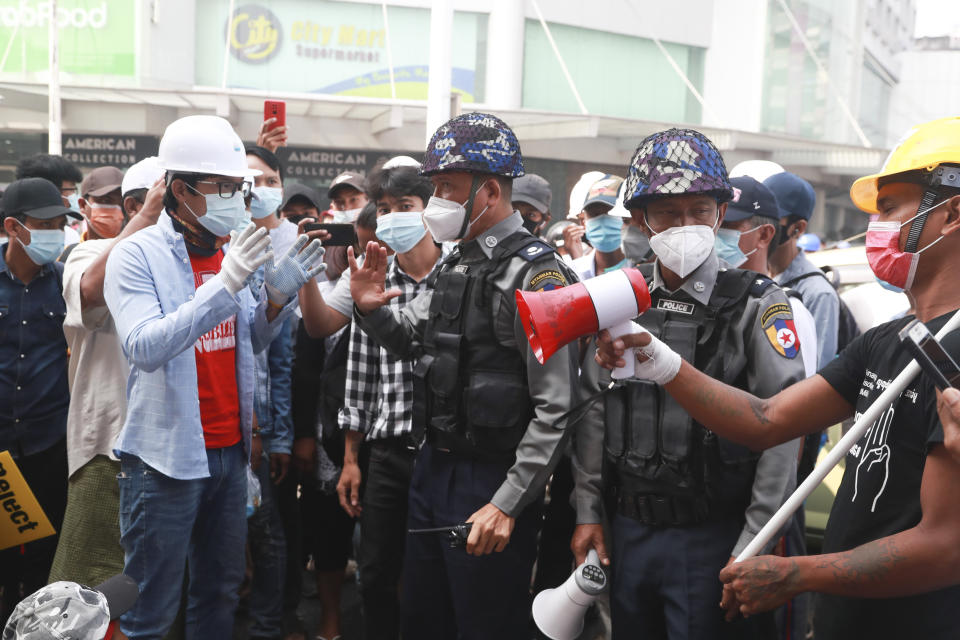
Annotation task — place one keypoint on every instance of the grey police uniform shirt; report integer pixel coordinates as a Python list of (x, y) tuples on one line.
[(821, 299), (553, 385), (768, 371)]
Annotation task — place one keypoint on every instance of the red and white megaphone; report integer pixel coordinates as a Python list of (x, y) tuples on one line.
[(553, 319), (559, 612)]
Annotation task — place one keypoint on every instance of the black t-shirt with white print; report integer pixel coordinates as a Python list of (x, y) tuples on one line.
[(880, 491)]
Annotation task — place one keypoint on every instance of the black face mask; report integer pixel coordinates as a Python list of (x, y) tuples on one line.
[(532, 226), (296, 219), (783, 235)]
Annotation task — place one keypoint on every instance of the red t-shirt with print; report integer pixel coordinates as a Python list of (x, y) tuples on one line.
[(216, 356)]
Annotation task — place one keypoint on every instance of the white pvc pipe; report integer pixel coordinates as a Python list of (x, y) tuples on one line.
[(795, 501)]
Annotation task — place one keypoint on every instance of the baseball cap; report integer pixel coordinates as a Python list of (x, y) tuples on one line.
[(348, 178), (101, 181), (604, 191), (751, 198), (533, 190), (141, 175), (37, 198), (295, 190), (70, 611), (794, 194), (401, 161)]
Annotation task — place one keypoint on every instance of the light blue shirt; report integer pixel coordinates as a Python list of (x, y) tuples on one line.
[(160, 314), (820, 298)]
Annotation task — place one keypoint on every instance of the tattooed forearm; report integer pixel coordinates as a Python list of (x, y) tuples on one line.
[(760, 408), (868, 563), (718, 403)]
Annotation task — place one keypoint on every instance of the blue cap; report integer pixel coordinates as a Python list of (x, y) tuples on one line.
[(751, 198), (809, 242), (794, 194)]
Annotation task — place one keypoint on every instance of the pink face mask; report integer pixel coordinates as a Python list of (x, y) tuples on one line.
[(887, 261)]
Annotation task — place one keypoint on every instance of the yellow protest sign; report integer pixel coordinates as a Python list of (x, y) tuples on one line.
[(21, 518)]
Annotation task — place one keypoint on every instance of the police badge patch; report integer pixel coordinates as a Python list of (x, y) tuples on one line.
[(547, 281), (783, 336)]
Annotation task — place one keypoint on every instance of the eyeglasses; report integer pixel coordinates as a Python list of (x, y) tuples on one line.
[(227, 189)]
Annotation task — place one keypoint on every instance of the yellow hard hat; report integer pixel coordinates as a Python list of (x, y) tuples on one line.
[(924, 147)]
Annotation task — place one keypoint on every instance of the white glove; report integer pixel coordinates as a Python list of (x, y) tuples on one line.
[(656, 362), (248, 250), (294, 270)]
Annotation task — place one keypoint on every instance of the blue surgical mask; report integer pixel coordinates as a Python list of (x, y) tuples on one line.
[(265, 201), (243, 222), (401, 230), (223, 214), (603, 232), (623, 264), (889, 287), (74, 200), (728, 246), (45, 246)]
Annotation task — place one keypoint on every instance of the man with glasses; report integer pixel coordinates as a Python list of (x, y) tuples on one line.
[(189, 326), (680, 501)]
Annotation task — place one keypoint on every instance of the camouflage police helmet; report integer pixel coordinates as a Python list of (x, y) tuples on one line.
[(676, 162), (474, 142)]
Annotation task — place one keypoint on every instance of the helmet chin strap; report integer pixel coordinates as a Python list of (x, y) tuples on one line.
[(913, 238), (468, 205)]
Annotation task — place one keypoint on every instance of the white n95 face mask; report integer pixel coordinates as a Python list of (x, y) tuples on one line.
[(683, 249), (346, 216), (446, 220)]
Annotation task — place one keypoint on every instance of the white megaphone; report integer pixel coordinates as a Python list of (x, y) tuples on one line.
[(559, 612), (553, 319)]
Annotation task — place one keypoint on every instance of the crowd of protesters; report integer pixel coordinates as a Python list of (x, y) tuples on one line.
[(216, 384)]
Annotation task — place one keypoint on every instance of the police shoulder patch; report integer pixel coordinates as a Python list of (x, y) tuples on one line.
[(779, 309), (782, 335), (547, 280)]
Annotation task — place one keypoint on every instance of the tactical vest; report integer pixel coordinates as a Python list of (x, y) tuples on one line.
[(469, 390), (665, 468)]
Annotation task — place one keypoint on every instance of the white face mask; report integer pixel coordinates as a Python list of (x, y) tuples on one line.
[(347, 216), (683, 249), (445, 219)]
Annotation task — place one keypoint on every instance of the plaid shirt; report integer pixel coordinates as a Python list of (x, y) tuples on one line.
[(379, 391)]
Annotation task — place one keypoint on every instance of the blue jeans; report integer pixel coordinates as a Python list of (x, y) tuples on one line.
[(166, 524), (268, 546)]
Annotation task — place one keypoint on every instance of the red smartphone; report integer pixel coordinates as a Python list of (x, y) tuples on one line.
[(275, 109)]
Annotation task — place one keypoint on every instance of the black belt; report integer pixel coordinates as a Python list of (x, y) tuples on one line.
[(458, 446), (658, 510)]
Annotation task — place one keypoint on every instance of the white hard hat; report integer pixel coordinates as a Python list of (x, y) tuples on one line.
[(759, 170), (204, 144), (579, 192), (401, 161), (618, 209), (141, 175)]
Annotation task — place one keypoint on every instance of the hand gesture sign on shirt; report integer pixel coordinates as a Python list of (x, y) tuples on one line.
[(875, 457)]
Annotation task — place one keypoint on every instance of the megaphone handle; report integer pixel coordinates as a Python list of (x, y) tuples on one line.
[(630, 356)]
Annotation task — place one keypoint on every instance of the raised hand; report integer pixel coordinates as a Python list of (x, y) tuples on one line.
[(293, 270), (249, 249), (368, 282)]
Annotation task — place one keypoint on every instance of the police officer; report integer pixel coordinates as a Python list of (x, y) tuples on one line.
[(488, 406), (681, 501)]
